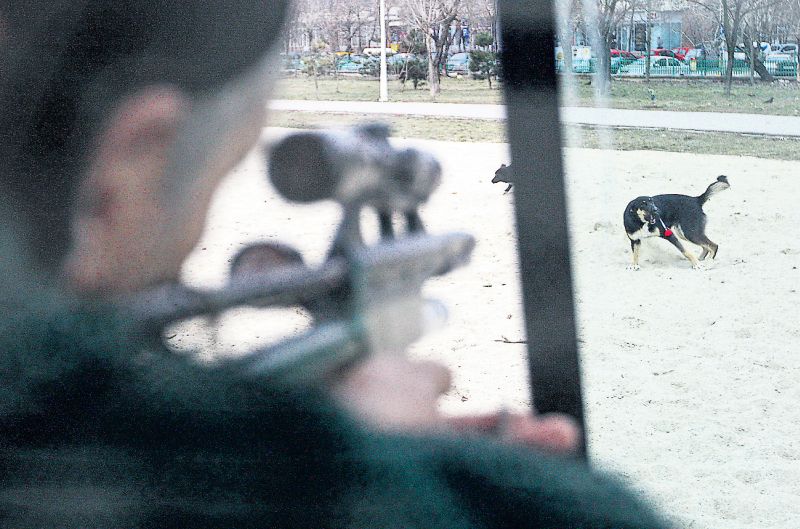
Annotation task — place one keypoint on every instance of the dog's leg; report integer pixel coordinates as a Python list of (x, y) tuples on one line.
[(690, 256), (702, 242), (709, 247), (694, 230), (707, 244), (635, 246)]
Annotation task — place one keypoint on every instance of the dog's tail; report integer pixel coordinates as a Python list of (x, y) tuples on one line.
[(721, 184)]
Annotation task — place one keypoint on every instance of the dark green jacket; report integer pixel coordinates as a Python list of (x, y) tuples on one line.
[(94, 435)]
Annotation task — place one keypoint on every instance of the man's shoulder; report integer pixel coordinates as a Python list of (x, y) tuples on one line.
[(289, 454), (493, 484)]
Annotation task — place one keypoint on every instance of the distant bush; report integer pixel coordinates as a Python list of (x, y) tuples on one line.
[(318, 62), (484, 40), (371, 67), (483, 65), (414, 70)]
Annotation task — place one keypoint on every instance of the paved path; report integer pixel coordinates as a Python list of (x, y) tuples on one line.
[(611, 117)]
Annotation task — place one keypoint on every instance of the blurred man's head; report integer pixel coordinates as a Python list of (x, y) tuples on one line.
[(119, 118)]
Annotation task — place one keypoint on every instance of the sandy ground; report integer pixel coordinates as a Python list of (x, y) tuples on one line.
[(691, 377)]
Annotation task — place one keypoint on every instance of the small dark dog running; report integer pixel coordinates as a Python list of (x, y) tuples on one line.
[(505, 175), (672, 217)]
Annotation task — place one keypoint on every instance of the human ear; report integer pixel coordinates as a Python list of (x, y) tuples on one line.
[(119, 203)]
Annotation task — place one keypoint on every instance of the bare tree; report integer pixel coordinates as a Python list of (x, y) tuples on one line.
[(567, 15), (343, 25), (293, 29), (602, 18), (482, 17), (699, 27), (731, 16), (777, 21), (433, 19), (489, 11), (788, 12)]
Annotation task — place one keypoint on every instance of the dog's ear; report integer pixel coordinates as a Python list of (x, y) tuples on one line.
[(502, 166)]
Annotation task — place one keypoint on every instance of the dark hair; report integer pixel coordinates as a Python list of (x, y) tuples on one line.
[(67, 63)]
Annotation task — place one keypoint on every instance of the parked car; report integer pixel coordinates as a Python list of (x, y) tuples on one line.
[(681, 52), (659, 67), (351, 64), (781, 64), (739, 56), (698, 54), (292, 63), (783, 48), (399, 58), (376, 52), (458, 64), (663, 52), (398, 61), (624, 54), (620, 58)]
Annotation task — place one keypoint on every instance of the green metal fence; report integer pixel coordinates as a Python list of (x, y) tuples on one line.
[(670, 67)]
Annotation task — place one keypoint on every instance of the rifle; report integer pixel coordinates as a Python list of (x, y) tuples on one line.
[(365, 299)]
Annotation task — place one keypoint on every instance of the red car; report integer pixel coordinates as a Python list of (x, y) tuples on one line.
[(664, 52), (623, 54), (620, 58), (680, 53)]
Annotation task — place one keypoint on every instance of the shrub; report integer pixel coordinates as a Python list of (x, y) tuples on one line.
[(414, 70), (484, 40), (483, 65)]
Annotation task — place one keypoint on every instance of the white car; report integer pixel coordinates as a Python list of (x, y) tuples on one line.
[(659, 67), (781, 64), (790, 49)]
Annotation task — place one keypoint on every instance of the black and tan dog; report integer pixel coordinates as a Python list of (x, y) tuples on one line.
[(672, 217)]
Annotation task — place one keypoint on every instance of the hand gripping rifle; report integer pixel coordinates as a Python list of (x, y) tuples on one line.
[(365, 299)]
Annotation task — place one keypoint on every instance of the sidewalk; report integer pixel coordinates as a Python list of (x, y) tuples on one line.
[(608, 117)]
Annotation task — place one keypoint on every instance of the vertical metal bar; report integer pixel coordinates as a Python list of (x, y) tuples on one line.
[(527, 40)]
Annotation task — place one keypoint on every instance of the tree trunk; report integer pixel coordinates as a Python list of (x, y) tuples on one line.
[(433, 75), (648, 46), (603, 71), (566, 45), (762, 71), (731, 24), (729, 68), (336, 71), (751, 56)]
